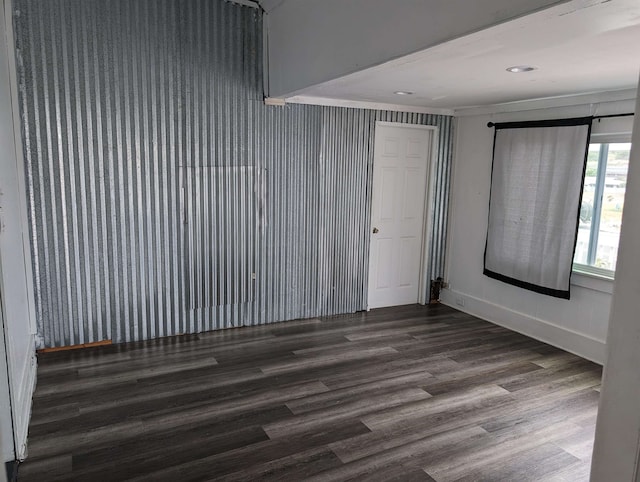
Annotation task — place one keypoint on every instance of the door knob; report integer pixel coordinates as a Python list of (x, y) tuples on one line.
[(375, 230)]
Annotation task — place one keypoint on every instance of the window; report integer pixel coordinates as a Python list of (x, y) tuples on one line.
[(601, 210)]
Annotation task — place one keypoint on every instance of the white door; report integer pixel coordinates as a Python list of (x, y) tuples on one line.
[(401, 161)]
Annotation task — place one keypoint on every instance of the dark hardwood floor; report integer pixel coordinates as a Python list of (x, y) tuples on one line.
[(409, 393)]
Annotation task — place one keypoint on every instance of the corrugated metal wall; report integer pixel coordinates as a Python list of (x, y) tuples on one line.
[(164, 196)]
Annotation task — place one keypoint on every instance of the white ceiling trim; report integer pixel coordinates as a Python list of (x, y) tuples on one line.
[(565, 101), (357, 104)]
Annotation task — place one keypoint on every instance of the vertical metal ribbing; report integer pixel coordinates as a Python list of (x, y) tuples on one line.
[(93, 112), (58, 184), (110, 252), (159, 182), (74, 214), (146, 213), (207, 185), (441, 201), (154, 195), (92, 210)]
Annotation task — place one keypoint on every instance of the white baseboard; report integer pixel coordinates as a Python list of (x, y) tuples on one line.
[(23, 404), (558, 336)]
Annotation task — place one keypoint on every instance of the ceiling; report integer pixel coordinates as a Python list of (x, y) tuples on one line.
[(576, 47)]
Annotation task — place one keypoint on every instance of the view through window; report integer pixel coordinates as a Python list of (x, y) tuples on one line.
[(602, 202)]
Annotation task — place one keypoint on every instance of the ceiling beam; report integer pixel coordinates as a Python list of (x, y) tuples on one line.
[(313, 41)]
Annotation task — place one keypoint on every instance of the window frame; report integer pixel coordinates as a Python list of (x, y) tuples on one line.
[(604, 139)]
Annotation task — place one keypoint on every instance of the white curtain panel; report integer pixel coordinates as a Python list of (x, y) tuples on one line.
[(536, 188)]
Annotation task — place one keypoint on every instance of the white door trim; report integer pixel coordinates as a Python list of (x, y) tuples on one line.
[(427, 223)]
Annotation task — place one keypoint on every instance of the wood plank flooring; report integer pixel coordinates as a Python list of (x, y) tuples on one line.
[(404, 394)]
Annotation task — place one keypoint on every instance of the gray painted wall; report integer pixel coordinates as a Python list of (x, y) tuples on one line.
[(312, 41), (160, 184)]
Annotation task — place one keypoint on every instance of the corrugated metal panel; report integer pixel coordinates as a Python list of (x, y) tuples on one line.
[(160, 185)]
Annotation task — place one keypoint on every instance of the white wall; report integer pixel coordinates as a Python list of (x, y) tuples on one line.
[(578, 325), (15, 258), (312, 41), (616, 452)]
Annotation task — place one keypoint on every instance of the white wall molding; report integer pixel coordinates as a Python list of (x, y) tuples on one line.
[(545, 331), (592, 282), (355, 104), (599, 103), (592, 99)]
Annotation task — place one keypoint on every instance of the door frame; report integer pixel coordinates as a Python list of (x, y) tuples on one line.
[(427, 221)]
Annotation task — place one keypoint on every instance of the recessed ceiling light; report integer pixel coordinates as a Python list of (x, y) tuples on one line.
[(520, 68), (403, 92)]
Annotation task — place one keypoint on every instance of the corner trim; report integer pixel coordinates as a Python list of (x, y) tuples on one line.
[(577, 343), (11, 469), (24, 403)]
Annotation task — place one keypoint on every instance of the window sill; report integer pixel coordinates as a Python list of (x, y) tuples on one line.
[(592, 281)]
